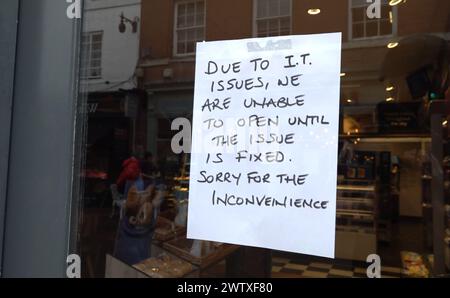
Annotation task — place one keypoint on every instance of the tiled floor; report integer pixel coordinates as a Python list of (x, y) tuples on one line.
[(407, 235), (310, 267)]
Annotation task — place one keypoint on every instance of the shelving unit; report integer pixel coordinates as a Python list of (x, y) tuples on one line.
[(447, 238), (356, 219), (181, 188), (388, 138)]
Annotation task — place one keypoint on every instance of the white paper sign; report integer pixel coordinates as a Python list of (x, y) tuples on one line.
[(264, 148)]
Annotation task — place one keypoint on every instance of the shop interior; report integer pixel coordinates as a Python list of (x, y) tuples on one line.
[(384, 206)]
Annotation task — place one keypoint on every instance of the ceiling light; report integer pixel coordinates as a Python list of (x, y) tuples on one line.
[(390, 99), (349, 100), (392, 45), (343, 74), (445, 123), (390, 88), (313, 11), (395, 2)]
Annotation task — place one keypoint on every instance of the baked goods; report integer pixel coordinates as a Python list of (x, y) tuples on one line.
[(164, 266), (414, 265)]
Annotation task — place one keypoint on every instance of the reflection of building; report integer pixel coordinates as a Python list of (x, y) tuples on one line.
[(110, 56), (116, 116), (168, 56), (110, 47)]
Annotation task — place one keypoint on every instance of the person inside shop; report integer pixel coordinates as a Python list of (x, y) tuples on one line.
[(130, 175), (137, 225)]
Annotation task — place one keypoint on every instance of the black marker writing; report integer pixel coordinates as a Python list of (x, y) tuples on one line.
[(308, 120), (263, 64), (216, 103), (214, 68), (267, 201), (235, 84), (281, 103), (269, 157)]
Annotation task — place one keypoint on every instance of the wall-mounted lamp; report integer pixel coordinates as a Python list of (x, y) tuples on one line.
[(123, 27)]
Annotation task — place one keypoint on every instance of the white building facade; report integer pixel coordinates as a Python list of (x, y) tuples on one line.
[(109, 56)]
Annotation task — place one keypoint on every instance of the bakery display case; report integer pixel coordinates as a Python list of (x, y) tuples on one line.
[(447, 210), (165, 266), (172, 219), (172, 254), (447, 238), (199, 253), (356, 219)]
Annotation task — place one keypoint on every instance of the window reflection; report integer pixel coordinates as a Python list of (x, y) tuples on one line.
[(135, 80)]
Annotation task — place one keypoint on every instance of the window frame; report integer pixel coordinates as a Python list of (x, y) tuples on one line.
[(9, 14), (350, 24), (85, 71), (175, 26), (255, 18)]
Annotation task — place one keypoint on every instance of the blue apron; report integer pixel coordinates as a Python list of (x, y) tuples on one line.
[(133, 244)]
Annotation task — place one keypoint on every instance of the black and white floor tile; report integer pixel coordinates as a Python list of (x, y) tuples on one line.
[(310, 268)]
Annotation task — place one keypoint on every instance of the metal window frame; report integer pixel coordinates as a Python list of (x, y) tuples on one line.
[(9, 10), (39, 217)]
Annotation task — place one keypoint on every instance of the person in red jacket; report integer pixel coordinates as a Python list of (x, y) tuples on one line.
[(131, 170)]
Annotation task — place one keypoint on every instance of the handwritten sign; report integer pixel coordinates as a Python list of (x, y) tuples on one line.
[(264, 143)]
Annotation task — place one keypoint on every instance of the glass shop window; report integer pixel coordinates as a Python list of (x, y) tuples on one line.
[(91, 62), (138, 62), (189, 26), (273, 18), (364, 27)]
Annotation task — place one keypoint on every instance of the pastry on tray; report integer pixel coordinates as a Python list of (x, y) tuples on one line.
[(164, 266)]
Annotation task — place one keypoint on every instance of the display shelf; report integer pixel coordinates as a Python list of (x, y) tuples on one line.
[(369, 188), (165, 266), (356, 225), (174, 267), (359, 200), (166, 230), (388, 138), (181, 247), (346, 228), (360, 215), (447, 249)]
